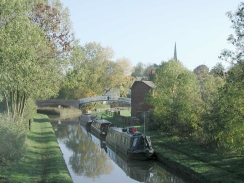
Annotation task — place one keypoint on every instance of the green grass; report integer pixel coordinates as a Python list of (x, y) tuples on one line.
[(43, 161), (99, 105), (194, 161), (126, 113), (199, 162)]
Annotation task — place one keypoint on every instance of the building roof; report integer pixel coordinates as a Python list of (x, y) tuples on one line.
[(148, 83)]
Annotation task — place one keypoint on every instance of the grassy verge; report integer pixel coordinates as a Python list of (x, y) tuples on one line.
[(43, 161), (201, 164)]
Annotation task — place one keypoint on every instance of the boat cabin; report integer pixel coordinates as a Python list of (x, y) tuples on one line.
[(86, 119), (130, 142), (100, 126)]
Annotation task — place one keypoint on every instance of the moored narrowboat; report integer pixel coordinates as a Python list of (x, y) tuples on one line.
[(100, 126), (86, 119), (130, 142)]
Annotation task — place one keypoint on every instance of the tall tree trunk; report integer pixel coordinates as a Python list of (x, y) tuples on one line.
[(23, 102), (6, 99), (18, 101), (12, 107)]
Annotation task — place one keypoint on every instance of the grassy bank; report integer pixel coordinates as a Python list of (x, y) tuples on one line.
[(201, 164), (43, 161)]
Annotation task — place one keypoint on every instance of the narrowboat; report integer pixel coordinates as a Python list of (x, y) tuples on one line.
[(99, 127), (130, 142), (86, 119)]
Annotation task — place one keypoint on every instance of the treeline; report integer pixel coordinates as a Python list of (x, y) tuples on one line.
[(36, 40), (202, 107), (92, 72)]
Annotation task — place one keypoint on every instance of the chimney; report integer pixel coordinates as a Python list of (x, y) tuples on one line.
[(151, 75)]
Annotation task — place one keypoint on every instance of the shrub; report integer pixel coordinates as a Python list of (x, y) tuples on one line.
[(12, 139)]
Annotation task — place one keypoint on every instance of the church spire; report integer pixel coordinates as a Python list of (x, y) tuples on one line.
[(175, 53)]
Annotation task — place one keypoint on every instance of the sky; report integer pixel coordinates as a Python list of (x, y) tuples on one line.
[(146, 30)]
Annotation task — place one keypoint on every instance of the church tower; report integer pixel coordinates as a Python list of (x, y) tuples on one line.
[(175, 54)]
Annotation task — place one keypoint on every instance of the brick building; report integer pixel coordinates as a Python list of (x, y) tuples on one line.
[(139, 91)]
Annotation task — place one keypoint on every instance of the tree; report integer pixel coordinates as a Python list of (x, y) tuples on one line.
[(53, 19), (176, 100), (125, 78), (138, 70), (26, 70), (93, 73), (227, 116), (218, 70), (201, 71), (97, 66), (226, 127), (237, 20), (72, 84)]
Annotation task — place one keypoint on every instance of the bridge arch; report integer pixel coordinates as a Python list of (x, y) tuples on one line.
[(80, 102), (84, 101)]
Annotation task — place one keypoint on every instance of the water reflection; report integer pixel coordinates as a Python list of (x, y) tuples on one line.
[(99, 141), (87, 158), (137, 170), (160, 173), (91, 160), (149, 172)]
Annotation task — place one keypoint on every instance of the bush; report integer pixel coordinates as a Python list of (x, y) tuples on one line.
[(12, 139), (30, 110)]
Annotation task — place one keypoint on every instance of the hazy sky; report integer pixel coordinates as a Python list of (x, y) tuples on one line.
[(146, 30)]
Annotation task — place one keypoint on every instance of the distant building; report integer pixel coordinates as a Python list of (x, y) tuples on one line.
[(151, 75)]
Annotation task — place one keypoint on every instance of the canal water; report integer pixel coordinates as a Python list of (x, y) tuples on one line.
[(90, 160)]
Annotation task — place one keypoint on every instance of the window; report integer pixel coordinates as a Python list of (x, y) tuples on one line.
[(126, 141), (135, 141)]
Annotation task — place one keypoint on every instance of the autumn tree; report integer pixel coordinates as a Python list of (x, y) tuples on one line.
[(93, 73), (126, 80), (53, 19), (28, 66)]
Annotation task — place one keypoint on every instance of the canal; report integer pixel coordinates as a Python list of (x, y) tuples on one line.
[(89, 159)]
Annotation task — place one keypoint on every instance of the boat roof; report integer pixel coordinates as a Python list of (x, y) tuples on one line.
[(120, 130), (86, 117), (102, 121)]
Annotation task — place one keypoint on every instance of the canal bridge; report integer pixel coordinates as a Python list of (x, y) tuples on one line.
[(79, 103)]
